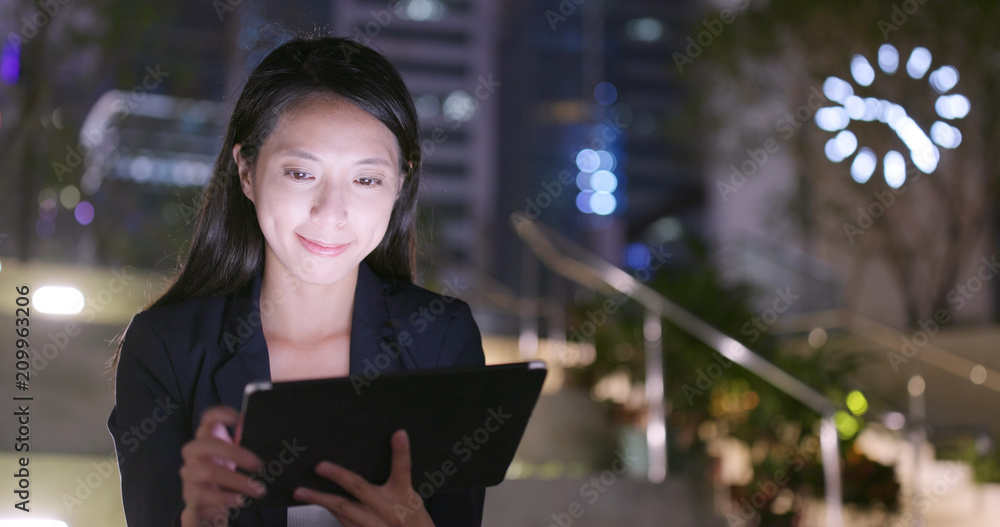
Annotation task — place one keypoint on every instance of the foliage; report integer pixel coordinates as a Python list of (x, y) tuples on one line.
[(713, 400)]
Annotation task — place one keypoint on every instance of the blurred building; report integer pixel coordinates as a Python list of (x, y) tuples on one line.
[(446, 53), (589, 89)]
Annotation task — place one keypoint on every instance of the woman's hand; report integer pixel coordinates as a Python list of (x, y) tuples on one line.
[(211, 485), (395, 503)]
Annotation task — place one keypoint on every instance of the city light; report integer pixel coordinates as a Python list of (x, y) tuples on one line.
[(596, 182), (605, 93), (84, 213), (864, 165), (58, 300), (922, 146), (944, 79), (857, 403), (644, 29), (458, 106), (919, 63), (895, 169), (888, 58), (862, 71)]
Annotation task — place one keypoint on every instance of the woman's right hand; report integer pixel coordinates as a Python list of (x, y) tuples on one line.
[(211, 484)]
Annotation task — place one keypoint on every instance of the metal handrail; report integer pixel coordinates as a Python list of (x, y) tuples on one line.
[(889, 337), (582, 266)]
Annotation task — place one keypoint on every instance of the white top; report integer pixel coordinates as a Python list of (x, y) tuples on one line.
[(311, 516)]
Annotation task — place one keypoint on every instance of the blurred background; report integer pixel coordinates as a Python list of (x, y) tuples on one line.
[(755, 240)]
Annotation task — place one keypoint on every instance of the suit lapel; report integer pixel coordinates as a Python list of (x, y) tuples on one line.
[(373, 340), (242, 345)]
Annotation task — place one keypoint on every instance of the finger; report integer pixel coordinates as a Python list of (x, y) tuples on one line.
[(216, 415), (355, 485), (220, 452), (209, 501), (400, 478), (210, 477), (348, 512)]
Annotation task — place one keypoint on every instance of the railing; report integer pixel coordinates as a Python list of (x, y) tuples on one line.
[(578, 264)]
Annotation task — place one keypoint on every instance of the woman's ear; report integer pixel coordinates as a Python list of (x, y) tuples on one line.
[(246, 179)]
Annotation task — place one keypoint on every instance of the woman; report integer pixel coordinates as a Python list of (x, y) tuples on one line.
[(300, 267)]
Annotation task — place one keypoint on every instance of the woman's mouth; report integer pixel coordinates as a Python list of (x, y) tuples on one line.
[(322, 249)]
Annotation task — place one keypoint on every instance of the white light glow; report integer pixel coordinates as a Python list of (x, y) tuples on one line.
[(583, 181), (946, 135), (832, 119), (603, 203), (603, 181), (832, 151), (888, 58), (923, 153), (944, 79), (872, 106), (952, 106), (58, 300), (608, 160), (895, 169), (855, 107), (919, 63), (864, 165), (837, 89), (587, 160), (644, 29), (839, 147), (424, 10), (32, 523), (895, 421), (862, 71), (847, 142), (458, 106)]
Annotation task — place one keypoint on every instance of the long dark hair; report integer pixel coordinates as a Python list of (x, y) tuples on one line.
[(227, 248)]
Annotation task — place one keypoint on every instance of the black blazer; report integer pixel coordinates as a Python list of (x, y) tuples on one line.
[(180, 359)]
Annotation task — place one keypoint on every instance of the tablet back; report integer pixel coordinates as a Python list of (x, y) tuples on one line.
[(464, 425)]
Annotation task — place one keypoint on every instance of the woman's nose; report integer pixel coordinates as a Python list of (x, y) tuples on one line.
[(330, 207)]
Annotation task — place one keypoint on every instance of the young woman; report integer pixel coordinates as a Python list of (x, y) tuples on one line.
[(300, 267)]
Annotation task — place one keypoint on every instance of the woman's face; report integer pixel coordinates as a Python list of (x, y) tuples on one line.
[(324, 186)]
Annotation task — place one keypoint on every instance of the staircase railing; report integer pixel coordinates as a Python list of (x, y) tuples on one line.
[(576, 263)]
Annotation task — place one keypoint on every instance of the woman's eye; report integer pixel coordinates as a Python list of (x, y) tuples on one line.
[(297, 175), (366, 181)]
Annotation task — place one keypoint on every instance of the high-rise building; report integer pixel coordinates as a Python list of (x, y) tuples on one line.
[(445, 51)]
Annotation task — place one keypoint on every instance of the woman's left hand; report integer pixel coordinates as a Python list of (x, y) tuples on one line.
[(395, 503)]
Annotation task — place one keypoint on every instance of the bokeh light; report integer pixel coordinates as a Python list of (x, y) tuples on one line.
[(864, 165), (919, 63), (895, 169), (862, 71), (888, 58), (587, 160), (69, 196), (944, 79), (605, 93), (644, 29), (857, 403), (84, 213)]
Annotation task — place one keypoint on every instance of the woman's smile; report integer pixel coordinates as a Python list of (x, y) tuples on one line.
[(323, 249)]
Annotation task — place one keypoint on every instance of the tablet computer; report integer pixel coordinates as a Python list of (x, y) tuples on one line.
[(464, 426)]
